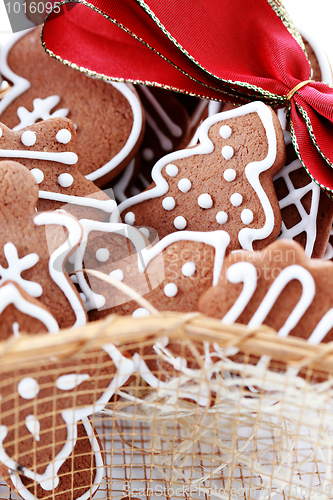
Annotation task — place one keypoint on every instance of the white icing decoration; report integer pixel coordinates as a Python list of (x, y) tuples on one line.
[(229, 174), (63, 136), (180, 222), (174, 129), (102, 254), (70, 381), (123, 183), (130, 218), (15, 268), (33, 426), (28, 388), (141, 312), (171, 170), (171, 290), (164, 141), (168, 203), (66, 157), (59, 256), (184, 185), (227, 152), (65, 180), (247, 216), (9, 294), (117, 274), (145, 231), (225, 131), (188, 269), (28, 138), (148, 154), (41, 111), (236, 199), (83, 297), (205, 201), (308, 222), (107, 206), (214, 107), (16, 329), (247, 235), (38, 175), (221, 217)]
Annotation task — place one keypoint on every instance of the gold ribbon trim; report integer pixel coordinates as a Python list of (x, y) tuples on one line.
[(295, 89)]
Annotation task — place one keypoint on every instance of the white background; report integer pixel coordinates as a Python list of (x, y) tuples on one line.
[(315, 15)]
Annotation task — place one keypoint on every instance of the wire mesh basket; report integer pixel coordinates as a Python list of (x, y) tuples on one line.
[(166, 406)]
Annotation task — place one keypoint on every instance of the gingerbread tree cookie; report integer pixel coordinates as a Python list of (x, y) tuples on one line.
[(48, 150), (108, 116), (224, 183)]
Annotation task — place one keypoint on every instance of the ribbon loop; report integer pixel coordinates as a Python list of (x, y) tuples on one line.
[(296, 88)]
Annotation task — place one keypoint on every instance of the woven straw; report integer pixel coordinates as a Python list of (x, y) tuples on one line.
[(225, 428)]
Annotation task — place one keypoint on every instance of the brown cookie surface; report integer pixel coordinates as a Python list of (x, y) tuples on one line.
[(108, 116)]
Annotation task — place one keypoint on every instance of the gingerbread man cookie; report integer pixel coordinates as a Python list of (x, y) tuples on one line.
[(224, 183), (34, 249), (279, 286), (108, 116), (47, 148)]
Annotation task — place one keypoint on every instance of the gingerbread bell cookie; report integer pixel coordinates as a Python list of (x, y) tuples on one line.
[(108, 116), (280, 287), (223, 183), (34, 249), (47, 148)]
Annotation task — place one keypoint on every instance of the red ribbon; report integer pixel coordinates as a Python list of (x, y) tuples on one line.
[(226, 50)]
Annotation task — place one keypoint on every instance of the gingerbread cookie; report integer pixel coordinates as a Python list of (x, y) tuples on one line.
[(47, 148), (279, 286), (47, 406), (35, 248), (224, 183), (108, 116), (171, 273)]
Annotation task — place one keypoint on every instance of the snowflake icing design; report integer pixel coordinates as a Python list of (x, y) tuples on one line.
[(15, 268), (42, 111)]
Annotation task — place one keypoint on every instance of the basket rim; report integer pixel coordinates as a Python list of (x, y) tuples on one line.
[(123, 330)]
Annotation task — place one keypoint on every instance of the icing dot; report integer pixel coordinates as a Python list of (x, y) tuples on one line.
[(102, 254), (140, 313), (117, 274), (184, 185), (28, 138), (180, 222), (74, 278), (28, 388), (38, 175), (171, 290), (247, 216), (148, 154), (83, 297), (205, 201), (129, 218), (145, 231), (169, 203), (225, 131), (65, 180), (227, 152), (171, 170), (64, 136), (221, 217), (236, 199), (188, 269), (229, 174)]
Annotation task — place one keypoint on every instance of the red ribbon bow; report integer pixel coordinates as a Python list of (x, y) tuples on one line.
[(226, 50)]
